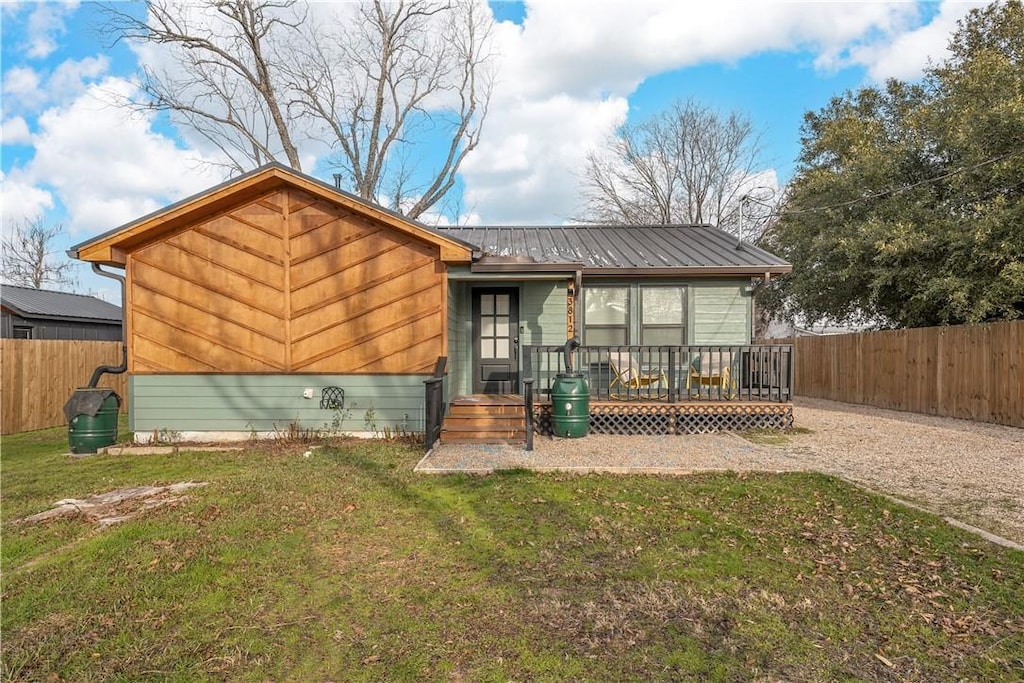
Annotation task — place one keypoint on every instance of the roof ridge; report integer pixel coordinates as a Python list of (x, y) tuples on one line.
[(49, 291)]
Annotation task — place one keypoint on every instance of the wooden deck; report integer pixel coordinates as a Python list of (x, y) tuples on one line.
[(500, 418)]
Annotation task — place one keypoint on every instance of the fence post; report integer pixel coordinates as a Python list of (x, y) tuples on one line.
[(672, 374), (528, 406)]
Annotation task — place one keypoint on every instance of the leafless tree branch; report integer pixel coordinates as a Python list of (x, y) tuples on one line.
[(30, 259), (689, 164), (258, 78)]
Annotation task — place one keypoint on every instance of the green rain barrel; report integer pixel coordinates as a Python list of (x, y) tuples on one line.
[(570, 406), (88, 433)]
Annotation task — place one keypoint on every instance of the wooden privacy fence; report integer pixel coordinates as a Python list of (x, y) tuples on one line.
[(39, 375), (974, 372)]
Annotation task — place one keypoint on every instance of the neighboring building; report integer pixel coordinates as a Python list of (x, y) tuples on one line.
[(253, 305), (29, 313), (787, 329)]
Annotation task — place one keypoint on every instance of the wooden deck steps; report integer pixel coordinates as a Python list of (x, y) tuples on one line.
[(485, 418)]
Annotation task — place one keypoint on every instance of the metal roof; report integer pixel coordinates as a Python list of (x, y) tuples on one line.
[(623, 249), (42, 303)]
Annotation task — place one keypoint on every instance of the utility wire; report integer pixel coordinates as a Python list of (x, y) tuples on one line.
[(892, 191)]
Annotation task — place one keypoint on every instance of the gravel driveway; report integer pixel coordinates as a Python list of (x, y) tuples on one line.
[(971, 471)]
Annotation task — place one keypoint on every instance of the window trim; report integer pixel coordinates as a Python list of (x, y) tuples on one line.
[(634, 326), (625, 325), (681, 326)]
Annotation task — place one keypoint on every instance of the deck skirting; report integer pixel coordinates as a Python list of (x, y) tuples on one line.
[(694, 417)]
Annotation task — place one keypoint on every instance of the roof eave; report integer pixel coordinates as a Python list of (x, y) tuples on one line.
[(62, 318), (541, 267), (689, 271)]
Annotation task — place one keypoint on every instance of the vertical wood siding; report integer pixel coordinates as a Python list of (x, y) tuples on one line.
[(287, 283), (40, 375), (974, 372)]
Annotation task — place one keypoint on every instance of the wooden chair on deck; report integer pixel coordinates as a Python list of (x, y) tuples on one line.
[(626, 375), (712, 369)]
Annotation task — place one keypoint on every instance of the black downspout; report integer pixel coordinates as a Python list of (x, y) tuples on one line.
[(123, 367)]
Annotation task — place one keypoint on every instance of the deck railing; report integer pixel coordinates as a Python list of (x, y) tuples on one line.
[(671, 374)]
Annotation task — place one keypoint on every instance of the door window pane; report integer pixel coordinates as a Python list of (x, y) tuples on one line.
[(487, 304), (487, 348), (501, 304), (501, 348)]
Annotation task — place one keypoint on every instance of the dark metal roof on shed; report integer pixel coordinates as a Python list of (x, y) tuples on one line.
[(42, 303), (624, 250)]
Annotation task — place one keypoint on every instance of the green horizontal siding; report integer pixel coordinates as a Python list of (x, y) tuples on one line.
[(720, 313), (460, 334), (272, 402), (542, 309)]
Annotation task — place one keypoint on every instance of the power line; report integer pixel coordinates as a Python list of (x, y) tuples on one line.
[(896, 190)]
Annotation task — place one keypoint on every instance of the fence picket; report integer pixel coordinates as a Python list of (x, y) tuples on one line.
[(38, 376), (975, 372)]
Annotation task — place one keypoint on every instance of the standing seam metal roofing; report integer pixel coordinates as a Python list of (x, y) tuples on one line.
[(619, 246), (44, 303)]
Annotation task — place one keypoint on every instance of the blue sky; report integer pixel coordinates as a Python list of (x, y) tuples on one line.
[(569, 73)]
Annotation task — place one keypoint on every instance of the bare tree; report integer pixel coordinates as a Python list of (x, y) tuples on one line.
[(223, 81), (29, 256), (374, 84), (689, 164)]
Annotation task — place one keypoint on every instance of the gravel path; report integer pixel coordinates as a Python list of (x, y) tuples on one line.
[(971, 471)]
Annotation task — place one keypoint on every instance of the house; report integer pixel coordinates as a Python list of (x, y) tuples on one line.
[(276, 300), (28, 313)]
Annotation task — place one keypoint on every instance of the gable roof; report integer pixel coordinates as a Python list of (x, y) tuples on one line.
[(621, 249), (112, 247), (43, 303)]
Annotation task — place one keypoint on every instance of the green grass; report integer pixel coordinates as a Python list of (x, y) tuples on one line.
[(347, 566)]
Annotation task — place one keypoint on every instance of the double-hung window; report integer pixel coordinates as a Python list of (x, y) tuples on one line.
[(606, 316), (662, 316), (648, 315)]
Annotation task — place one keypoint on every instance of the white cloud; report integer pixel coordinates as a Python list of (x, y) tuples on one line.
[(72, 76), (44, 26), (22, 88), (567, 72), (22, 200), (588, 48), (106, 164), (522, 170), (906, 55), (29, 90), (14, 131)]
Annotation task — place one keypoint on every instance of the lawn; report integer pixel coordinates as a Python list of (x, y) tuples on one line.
[(344, 565)]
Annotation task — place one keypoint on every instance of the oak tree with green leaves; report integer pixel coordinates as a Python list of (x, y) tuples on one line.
[(908, 202)]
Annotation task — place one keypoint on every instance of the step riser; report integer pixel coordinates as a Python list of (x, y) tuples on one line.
[(486, 410), (458, 422), (483, 437)]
